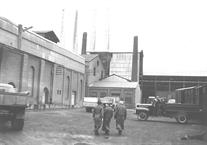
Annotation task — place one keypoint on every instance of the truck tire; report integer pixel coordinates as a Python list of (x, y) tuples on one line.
[(182, 118), (87, 109), (142, 116), (17, 124)]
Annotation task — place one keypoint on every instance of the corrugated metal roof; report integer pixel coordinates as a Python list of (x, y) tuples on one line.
[(89, 57), (188, 88), (114, 81)]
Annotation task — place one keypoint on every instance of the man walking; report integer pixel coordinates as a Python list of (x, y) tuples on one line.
[(120, 116), (97, 117), (108, 114)]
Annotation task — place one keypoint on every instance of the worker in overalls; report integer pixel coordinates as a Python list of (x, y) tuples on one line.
[(107, 115), (120, 116), (97, 117)]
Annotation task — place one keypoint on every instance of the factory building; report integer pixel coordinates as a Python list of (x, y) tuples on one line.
[(116, 86), (164, 86), (105, 84), (31, 62)]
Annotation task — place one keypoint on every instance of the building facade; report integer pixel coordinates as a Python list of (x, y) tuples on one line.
[(33, 63), (165, 86), (94, 70), (116, 86)]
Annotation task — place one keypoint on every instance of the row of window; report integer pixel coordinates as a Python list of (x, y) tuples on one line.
[(94, 73), (127, 98)]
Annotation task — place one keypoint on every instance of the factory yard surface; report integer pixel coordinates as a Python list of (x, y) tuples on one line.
[(75, 127)]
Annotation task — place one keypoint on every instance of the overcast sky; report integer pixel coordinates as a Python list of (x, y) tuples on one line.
[(172, 33)]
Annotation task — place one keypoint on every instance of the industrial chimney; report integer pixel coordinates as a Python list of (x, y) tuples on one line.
[(84, 43), (134, 76), (141, 55)]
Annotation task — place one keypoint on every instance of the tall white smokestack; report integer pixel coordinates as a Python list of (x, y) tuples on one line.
[(75, 43)]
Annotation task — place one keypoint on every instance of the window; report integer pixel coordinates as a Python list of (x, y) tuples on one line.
[(81, 89), (68, 87), (115, 94), (31, 78), (94, 71), (128, 100), (97, 63), (102, 75), (59, 70), (59, 92)]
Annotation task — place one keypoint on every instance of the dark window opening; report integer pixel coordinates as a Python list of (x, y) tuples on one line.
[(94, 71), (102, 75)]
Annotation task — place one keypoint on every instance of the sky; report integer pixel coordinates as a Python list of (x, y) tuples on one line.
[(171, 33)]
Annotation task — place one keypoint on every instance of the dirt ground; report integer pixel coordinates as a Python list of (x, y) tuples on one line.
[(75, 127)]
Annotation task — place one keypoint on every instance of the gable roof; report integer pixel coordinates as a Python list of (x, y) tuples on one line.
[(48, 34), (89, 57), (114, 81), (115, 78)]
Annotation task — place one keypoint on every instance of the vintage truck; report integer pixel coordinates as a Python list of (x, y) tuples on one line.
[(13, 105), (90, 102), (191, 103)]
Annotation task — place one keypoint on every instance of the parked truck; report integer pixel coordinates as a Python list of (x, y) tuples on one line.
[(13, 105), (190, 103), (90, 102)]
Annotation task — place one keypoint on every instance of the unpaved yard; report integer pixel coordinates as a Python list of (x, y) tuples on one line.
[(75, 126)]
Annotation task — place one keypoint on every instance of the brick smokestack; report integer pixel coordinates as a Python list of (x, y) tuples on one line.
[(134, 76), (141, 55), (84, 43)]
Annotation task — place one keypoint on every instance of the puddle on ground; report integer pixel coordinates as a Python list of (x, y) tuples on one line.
[(82, 144), (82, 136)]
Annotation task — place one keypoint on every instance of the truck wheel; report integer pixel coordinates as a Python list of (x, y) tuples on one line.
[(18, 124), (87, 109), (142, 116), (90, 110), (181, 118)]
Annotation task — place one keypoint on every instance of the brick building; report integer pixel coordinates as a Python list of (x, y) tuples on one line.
[(34, 63), (94, 70), (116, 86)]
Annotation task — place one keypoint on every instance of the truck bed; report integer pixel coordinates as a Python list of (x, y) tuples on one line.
[(182, 107), (20, 98)]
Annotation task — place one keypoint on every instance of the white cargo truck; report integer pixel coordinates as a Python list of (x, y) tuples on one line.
[(89, 103)]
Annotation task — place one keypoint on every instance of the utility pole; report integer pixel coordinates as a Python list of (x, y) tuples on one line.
[(19, 42)]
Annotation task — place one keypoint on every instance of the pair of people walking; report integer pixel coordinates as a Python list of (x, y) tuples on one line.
[(102, 116)]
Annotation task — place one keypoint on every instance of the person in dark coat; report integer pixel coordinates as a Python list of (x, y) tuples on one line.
[(120, 116), (97, 117), (107, 115)]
